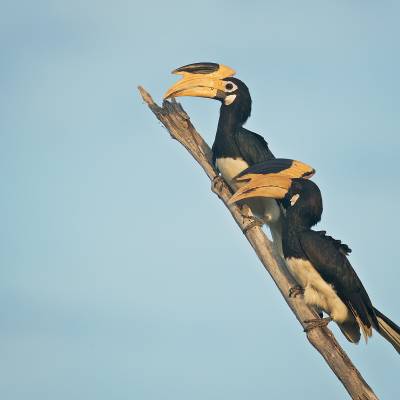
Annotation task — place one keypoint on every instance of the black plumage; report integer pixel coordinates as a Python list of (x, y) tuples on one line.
[(232, 140), (317, 261), (235, 148), (247, 145), (326, 255)]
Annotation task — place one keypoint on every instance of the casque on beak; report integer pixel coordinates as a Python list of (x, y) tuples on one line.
[(200, 80), (281, 166)]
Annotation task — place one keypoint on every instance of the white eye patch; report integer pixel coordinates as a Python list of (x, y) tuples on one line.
[(230, 87), (294, 199), (229, 99)]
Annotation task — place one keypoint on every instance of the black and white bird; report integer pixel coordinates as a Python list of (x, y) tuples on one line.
[(317, 261), (235, 148)]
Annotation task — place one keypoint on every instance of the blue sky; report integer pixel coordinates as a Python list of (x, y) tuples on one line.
[(123, 276)]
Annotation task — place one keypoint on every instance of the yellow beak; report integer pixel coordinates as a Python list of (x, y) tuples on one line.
[(271, 178), (273, 185), (199, 84)]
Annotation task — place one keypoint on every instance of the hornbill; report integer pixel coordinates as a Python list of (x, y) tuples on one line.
[(317, 261), (235, 148)]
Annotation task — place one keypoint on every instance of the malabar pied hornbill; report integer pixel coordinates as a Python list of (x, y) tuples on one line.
[(235, 148), (317, 261)]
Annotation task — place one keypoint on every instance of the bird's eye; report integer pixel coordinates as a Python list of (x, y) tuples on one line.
[(230, 87)]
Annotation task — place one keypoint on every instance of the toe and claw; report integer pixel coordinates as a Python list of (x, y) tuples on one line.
[(310, 323), (295, 291), (254, 221), (217, 183), (216, 186), (316, 323)]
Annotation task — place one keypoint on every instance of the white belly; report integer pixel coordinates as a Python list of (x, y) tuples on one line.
[(266, 209), (317, 292), (229, 168)]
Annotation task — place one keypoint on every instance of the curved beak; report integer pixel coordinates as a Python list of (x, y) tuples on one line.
[(274, 186), (271, 178), (200, 80), (195, 86)]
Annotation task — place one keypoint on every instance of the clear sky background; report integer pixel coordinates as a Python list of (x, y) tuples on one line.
[(123, 276)]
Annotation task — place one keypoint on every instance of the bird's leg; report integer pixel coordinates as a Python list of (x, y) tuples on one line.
[(316, 323), (254, 221), (295, 291), (216, 187), (217, 183)]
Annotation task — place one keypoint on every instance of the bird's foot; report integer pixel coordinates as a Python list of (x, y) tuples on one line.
[(217, 183), (316, 323), (254, 221), (295, 291)]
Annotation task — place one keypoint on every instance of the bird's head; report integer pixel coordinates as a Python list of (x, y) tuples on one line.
[(285, 180), (214, 81), (304, 199)]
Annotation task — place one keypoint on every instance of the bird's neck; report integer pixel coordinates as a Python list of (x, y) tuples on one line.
[(228, 123), (228, 126), (293, 225)]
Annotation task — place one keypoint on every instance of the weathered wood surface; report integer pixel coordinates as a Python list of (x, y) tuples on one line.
[(178, 124)]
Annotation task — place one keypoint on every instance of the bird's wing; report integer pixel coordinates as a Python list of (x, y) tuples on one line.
[(327, 256), (253, 147), (342, 247)]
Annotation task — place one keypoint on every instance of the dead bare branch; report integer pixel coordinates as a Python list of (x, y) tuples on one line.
[(178, 124)]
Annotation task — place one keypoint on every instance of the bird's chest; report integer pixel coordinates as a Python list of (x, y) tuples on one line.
[(267, 209), (229, 168)]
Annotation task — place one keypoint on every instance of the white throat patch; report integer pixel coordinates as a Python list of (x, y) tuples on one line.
[(294, 199), (229, 99)]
